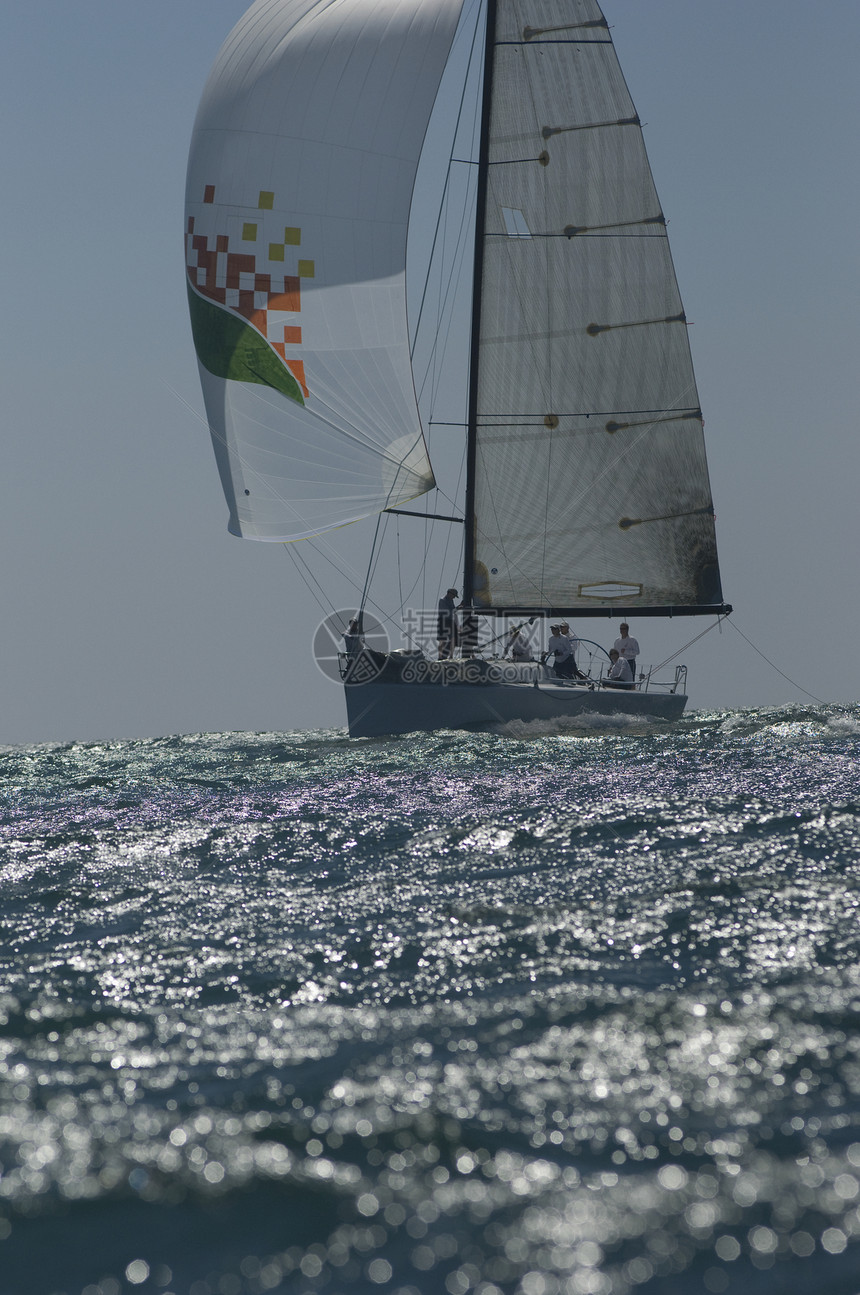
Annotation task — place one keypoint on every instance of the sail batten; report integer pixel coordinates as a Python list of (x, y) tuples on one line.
[(577, 309)]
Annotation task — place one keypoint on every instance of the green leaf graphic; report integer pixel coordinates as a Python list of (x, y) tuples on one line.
[(230, 348)]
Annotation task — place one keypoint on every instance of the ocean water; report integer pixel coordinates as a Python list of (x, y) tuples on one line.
[(529, 1012)]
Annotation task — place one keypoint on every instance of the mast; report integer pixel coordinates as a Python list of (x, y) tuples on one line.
[(477, 282)]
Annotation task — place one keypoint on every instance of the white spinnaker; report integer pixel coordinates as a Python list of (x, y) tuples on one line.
[(300, 176), (591, 483)]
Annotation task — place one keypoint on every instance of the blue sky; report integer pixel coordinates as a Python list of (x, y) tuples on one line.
[(129, 611)]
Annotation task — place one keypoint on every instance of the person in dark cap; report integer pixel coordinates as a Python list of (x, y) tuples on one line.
[(353, 639)]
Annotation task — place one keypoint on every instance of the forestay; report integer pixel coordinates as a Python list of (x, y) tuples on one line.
[(590, 479), (300, 176)]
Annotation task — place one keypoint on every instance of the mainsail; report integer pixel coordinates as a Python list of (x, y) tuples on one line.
[(588, 483), (300, 176)]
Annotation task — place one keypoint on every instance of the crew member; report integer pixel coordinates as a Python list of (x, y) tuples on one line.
[(620, 675), (558, 647), (568, 633), (627, 648), (353, 639), (446, 628)]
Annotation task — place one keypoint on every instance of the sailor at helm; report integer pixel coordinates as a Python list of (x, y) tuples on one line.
[(558, 647)]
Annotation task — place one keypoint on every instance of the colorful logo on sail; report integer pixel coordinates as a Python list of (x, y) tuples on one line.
[(244, 305)]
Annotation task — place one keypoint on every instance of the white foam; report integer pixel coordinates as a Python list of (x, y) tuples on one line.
[(585, 724), (843, 725)]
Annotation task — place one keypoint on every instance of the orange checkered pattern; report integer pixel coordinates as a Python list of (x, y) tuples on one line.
[(249, 284)]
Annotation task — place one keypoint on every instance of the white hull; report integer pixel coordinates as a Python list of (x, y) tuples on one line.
[(392, 705)]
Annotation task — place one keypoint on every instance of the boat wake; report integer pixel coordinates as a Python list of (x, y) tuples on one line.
[(586, 724), (843, 725)]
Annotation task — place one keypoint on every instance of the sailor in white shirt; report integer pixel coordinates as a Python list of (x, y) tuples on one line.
[(558, 646), (628, 648), (620, 675), (567, 632)]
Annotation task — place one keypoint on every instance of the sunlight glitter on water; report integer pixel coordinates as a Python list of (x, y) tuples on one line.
[(557, 1014)]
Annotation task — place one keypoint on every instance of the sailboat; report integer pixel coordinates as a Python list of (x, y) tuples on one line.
[(587, 490)]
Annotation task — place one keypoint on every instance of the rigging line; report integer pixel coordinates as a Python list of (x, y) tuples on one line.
[(447, 182), (462, 248), (788, 679), (303, 568), (432, 365), (399, 613), (379, 550), (300, 560), (399, 569), (670, 659), (425, 289), (448, 497), (194, 413), (341, 571), (371, 568), (438, 359), (297, 556), (461, 560), (347, 571), (402, 606), (447, 290), (326, 611), (428, 530), (450, 528)]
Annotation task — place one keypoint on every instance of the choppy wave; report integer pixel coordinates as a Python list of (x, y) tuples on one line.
[(585, 724), (518, 1013)]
